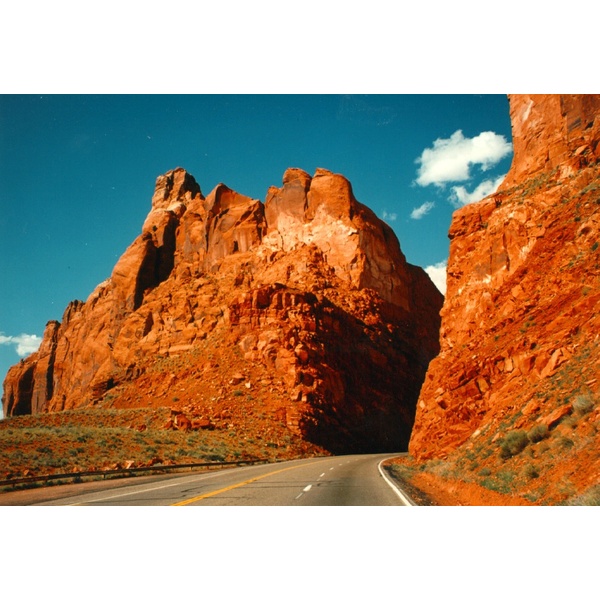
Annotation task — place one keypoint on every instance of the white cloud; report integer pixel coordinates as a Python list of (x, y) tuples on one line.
[(25, 343), (451, 159), (389, 216), (421, 211), (437, 273), (460, 196)]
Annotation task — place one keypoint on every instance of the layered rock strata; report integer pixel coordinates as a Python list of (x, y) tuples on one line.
[(303, 306), (520, 326)]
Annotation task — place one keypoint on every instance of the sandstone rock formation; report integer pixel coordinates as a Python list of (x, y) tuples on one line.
[(520, 326), (302, 309)]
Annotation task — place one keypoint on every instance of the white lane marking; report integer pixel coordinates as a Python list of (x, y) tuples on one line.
[(321, 475), (298, 496), (331, 469), (138, 491), (405, 499), (307, 488)]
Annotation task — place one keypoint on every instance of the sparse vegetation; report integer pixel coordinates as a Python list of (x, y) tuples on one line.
[(590, 497), (531, 472), (404, 472), (537, 433), (514, 442), (565, 443), (93, 439), (583, 404), (494, 485)]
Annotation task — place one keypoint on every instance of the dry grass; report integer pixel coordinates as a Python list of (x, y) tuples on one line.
[(557, 466), (99, 439)]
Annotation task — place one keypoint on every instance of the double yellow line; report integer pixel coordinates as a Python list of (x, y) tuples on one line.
[(232, 487)]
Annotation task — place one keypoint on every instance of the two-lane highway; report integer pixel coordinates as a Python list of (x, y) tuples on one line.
[(354, 480)]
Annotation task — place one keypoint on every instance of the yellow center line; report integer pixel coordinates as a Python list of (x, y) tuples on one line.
[(232, 487)]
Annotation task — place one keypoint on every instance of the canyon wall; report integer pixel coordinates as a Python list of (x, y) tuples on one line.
[(520, 325), (302, 309)]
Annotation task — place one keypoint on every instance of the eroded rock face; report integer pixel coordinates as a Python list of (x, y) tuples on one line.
[(303, 307), (552, 132), (323, 211), (520, 327)]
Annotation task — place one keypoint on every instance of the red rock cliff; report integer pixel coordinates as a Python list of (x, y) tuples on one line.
[(303, 308), (520, 326)]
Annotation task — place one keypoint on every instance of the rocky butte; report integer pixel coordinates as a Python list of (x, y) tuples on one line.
[(301, 309), (520, 333)]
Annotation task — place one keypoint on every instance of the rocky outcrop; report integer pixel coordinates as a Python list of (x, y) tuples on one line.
[(552, 133), (323, 211), (303, 306), (520, 330), (29, 385)]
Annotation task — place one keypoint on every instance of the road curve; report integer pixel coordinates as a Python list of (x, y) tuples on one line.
[(354, 480)]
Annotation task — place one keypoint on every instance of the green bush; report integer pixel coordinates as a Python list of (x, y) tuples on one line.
[(537, 433), (583, 404), (531, 472), (565, 443), (514, 442)]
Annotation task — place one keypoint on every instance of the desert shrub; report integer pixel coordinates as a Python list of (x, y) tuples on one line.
[(583, 404), (506, 476), (543, 447), (514, 442), (565, 442), (571, 421), (591, 497), (494, 485), (214, 457), (537, 433), (487, 452), (531, 472), (485, 472), (402, 471)]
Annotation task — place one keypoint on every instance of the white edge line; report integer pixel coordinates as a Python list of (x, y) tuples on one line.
[(405, 499), (142, 485)]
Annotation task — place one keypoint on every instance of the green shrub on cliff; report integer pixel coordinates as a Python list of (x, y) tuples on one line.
[(514, 442)]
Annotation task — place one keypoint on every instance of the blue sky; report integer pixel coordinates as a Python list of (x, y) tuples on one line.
[(77, 174)]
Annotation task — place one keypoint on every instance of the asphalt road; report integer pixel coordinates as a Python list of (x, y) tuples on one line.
[(354, 480)]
